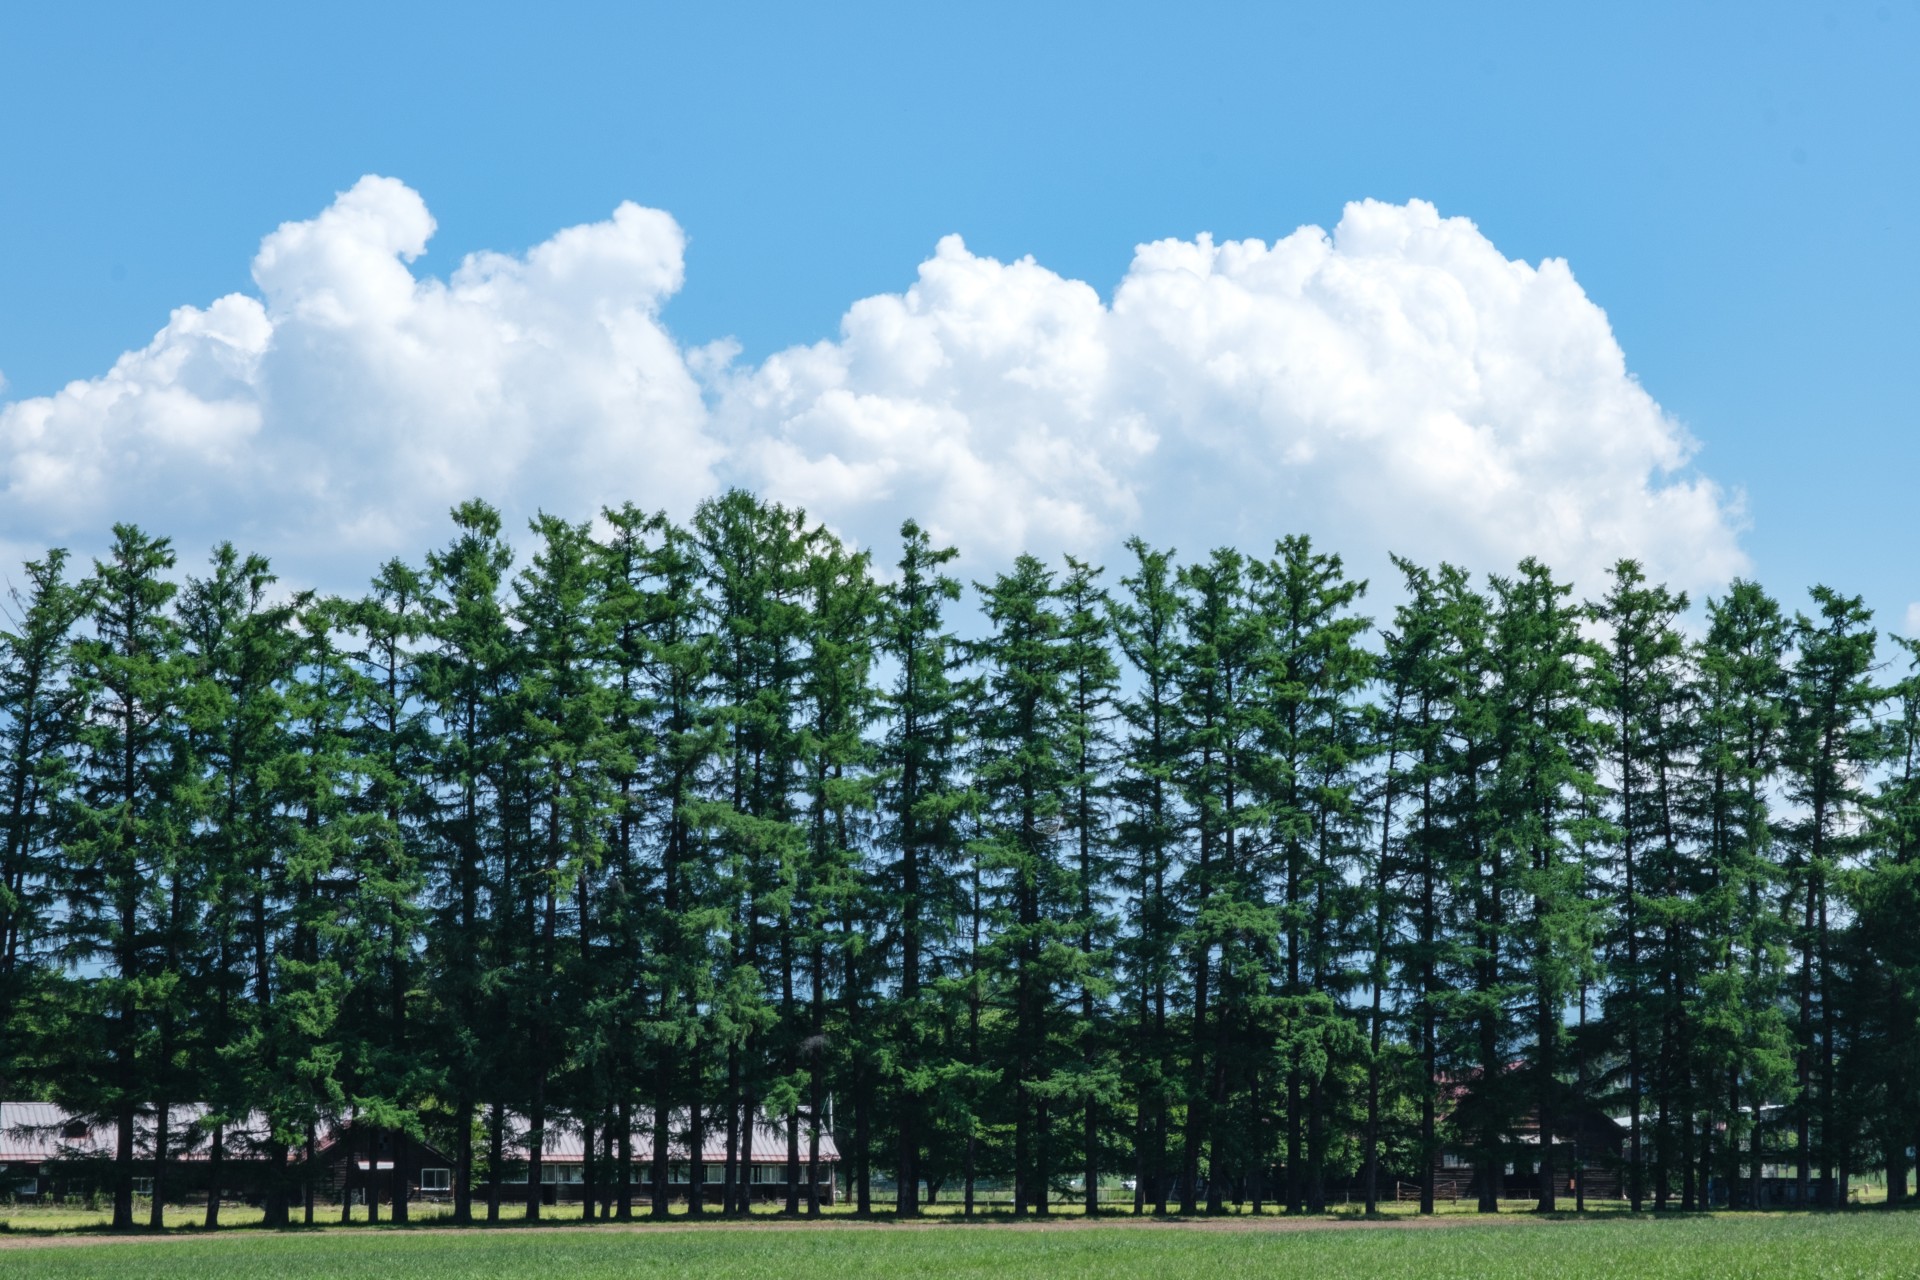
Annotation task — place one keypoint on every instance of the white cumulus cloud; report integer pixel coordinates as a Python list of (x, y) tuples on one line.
[(1396, 384), (336, 416)]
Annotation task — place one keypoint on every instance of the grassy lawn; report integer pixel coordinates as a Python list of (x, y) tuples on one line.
[(1785, 1247)]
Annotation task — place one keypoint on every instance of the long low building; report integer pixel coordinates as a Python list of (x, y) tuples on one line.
[(47, 1152), (563, 1160)]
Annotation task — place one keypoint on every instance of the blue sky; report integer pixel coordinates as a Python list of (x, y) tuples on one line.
[(1734, 186)]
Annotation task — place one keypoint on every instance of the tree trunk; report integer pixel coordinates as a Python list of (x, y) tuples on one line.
[(1317, 1145), (813, 1157), (623, 1204), (696, 1153), (402, 1165), (589, 1132), (307, 1170), (373, 1175), (350, 1143), (1545, 1031), (968, 1172), (463, 1162), (1043, 1171), (1196, 1109), (1092, 1141), (1022, 1148), (162, 1148), (727, 1186), (662, 1151), (496, 1159), (1296, 1154), (215, 1154), (793, 1165)]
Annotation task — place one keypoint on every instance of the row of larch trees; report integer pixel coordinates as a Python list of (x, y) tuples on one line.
[(1186, 874)]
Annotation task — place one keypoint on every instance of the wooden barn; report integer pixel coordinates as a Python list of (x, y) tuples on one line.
[(1587, 1159), (359, 1164)]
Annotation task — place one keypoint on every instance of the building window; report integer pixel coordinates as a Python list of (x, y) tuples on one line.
[(1454, 1160), (143, 1186), (436, 1179), (676, 1173), (770, 1173), (716, 1173), (550, 1174), (514, 1173)]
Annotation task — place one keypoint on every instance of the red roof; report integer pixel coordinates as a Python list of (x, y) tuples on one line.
[(564, 1141), (37, 1131), (33, 1131)]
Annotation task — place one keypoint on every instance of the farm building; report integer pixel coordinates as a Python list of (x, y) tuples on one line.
[(1588, 1147), (563, 1162), (47, 1152), (1587, 1158), (1591, 1145), (1777, 1181)]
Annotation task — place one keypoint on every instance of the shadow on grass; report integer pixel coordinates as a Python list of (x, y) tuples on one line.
[(1073, 1218)]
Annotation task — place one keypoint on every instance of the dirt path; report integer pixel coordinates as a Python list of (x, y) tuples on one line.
[(1229, 1224)]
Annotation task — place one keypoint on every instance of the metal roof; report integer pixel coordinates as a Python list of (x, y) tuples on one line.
[(42, 1131), (564, 1141), (37, 1131)]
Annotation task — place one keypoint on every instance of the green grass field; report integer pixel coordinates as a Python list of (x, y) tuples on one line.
[(1783, 1247)]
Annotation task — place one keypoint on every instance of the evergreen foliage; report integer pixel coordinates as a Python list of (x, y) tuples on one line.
[(1184, 876)]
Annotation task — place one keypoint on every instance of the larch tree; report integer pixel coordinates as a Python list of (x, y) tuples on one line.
[(385, 740), (1091, 677), (40, 709), (754, 556), (691, 829), (618, 990), (669, 806), (1146, 618), (465, 669), (1884, 895), (242, 651), (1417, 885), (920, 796), (1023, 767), (1640, 680), (1740, 680), (1220, 783), (844, 608), (125, 869), (572, 757), (1541, 789), (1313, 742), (1830, 742)]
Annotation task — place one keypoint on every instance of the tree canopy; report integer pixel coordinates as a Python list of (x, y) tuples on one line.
[(1190, 873)]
